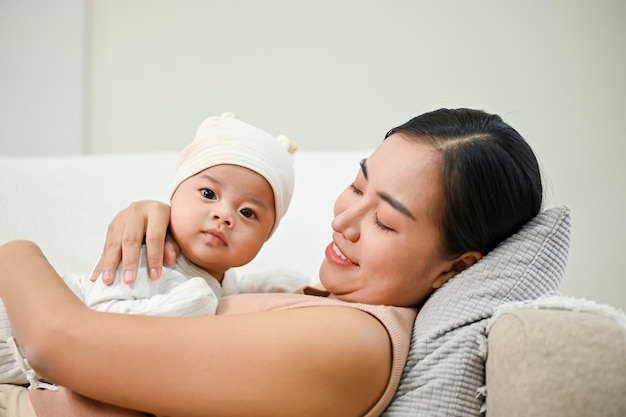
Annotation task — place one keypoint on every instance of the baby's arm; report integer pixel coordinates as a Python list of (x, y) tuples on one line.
[(172, 295), (190, 298)]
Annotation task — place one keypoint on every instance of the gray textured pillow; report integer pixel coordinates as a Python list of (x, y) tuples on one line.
[(445, 370)]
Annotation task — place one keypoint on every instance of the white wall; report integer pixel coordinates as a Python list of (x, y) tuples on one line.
[(339, 74), (42, 76)]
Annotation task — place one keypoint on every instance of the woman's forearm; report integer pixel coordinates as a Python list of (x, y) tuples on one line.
[(285, 363), (32, 291)]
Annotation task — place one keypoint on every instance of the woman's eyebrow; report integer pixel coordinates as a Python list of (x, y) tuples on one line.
[(363, 167), (396, 204), (386, 197)]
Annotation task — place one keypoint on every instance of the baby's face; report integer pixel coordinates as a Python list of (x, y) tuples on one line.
[(222, 216)]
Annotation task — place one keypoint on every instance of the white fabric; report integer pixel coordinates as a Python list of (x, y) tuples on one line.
[(182, 290), (10, 370), (227, 140)]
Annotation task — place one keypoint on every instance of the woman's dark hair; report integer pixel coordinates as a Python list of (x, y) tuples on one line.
[(491, 178)]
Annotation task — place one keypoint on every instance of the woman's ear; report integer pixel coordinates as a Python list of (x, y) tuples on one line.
[(457, 265)]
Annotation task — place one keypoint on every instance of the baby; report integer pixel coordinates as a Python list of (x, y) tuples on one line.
[(233, 185)]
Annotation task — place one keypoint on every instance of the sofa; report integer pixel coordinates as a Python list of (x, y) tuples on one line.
[(497, 340)]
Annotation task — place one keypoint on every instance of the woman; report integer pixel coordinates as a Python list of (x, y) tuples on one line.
[(439, 193)]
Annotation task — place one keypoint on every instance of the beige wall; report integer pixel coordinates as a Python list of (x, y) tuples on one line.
[(339, 74)]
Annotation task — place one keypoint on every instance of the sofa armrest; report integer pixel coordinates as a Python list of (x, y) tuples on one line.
[(556, 363)]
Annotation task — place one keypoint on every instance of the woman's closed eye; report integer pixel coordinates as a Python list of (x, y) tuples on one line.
[(208, 194), (355, 190), (377, 221), (381, 225)]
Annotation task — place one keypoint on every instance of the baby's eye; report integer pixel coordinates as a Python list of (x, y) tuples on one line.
[(355, 190), (207, 193), (247, 213)]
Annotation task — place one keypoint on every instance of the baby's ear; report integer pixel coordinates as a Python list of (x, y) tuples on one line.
[(458, 265)]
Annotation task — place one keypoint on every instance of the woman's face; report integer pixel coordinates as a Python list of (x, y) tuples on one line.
[(386, 230)]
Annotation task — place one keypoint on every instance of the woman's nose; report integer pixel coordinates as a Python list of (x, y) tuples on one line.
[(347, 221)]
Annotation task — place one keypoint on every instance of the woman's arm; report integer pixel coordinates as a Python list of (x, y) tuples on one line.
[(329, 361), (141, 221)]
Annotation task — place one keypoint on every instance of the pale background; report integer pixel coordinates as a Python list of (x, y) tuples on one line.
[(111, 76)]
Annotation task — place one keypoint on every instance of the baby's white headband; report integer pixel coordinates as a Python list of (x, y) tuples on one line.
[(227, 140)]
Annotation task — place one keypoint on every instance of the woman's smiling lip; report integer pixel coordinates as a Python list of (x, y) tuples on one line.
[(336, 256)]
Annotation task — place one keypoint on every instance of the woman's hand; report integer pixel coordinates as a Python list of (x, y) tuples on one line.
[(143, 221)]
